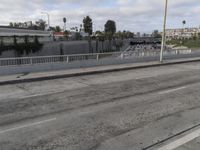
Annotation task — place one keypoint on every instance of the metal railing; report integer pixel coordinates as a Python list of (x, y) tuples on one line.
[(80, 57), (55, 59)]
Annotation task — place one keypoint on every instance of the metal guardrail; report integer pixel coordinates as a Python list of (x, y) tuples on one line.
[(55, 59), (78, 57)]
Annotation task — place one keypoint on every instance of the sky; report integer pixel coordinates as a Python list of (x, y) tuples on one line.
[(133, 15)]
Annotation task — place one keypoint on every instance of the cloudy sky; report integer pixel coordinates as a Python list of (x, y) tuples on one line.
[(133, 15)]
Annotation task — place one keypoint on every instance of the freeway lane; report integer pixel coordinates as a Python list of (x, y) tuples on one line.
[(121, 110)]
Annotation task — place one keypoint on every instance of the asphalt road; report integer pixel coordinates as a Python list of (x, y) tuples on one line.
[(126, 110)]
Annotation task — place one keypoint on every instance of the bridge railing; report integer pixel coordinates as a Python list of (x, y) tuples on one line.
[(55, 59), (78, 57)]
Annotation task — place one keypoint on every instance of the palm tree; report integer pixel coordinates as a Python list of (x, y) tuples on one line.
[(64, 20), (184, 22), (81, 26)]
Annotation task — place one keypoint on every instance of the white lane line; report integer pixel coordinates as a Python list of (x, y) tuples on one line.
[(180, 142), (27, 125), (172, 90)]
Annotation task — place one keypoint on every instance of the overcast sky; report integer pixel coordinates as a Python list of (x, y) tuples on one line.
[(133, 15)]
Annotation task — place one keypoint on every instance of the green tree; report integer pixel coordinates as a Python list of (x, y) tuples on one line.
[(11, 24), (199, 35), (156, 34), (101, 38), (110, 30), (130, 34), (66, 34), (119, 35), (110, 27), (87, 24), (16, 24), (41, 24), (57, 29), (98, 33), (1, 46)]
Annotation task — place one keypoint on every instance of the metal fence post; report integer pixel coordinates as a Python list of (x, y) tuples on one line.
[(31, 61), (97, 57), (67, 59), (122, 56)]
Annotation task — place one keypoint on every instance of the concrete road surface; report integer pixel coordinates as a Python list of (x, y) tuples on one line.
[(127, 110)]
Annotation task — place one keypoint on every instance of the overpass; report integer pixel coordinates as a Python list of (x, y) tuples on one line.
[(6, 31), (145, 40)]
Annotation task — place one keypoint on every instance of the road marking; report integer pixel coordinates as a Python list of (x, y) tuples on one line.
[(179, 142), (172, 90), (27, 125)]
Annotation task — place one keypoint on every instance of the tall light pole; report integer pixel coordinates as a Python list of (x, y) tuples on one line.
[(47, 17), (164, 32)]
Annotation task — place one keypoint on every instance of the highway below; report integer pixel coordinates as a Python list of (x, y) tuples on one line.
[(141, 109)]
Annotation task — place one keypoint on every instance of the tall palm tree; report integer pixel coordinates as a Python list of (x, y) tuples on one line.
[(183, 22), (64, 20)]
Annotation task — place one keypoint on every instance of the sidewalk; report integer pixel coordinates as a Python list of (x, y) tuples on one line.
[(39, 76)]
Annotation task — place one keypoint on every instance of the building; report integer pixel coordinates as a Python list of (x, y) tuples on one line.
[(138, 34), (58, 36), (182, 33)]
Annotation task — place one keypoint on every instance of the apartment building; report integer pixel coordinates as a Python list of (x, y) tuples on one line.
[(182, 33)]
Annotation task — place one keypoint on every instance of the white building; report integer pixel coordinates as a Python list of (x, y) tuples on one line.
[(182, 33)]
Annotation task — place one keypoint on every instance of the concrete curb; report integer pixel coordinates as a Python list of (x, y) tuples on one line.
[(34, 79)]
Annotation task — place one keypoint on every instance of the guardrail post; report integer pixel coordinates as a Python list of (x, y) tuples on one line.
[(67, 59), (31, 61), (97, 57), (122, 55)]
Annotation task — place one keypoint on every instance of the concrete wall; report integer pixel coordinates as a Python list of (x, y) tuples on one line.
[(9, 40), (69, 47)]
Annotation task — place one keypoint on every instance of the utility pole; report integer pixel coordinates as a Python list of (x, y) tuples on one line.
[(164, 32), (48, 17)]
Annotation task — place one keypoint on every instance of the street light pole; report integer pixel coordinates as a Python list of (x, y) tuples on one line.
[(164, 32), (48, 18)]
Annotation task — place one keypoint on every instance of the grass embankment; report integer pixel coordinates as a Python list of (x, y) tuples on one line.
[(190, 43)]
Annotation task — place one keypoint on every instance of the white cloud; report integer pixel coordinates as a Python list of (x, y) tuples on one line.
[(135, 15)]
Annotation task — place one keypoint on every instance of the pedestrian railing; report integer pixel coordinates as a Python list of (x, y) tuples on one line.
[(79, 57)]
